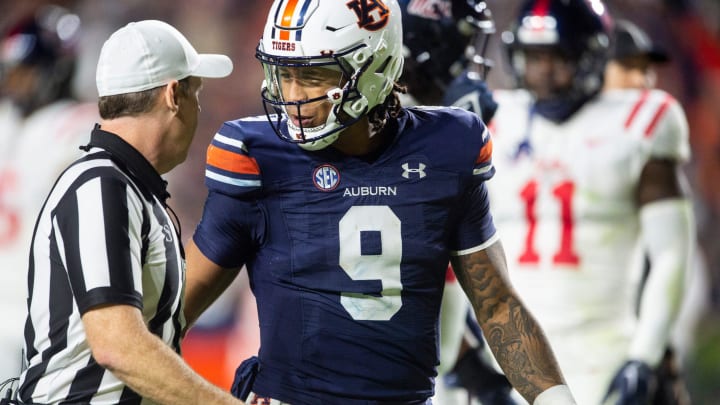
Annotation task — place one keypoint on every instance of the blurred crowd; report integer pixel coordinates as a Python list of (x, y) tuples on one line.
[(688, 29)]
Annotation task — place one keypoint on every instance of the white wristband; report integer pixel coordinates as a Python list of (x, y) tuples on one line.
[(557, 395)]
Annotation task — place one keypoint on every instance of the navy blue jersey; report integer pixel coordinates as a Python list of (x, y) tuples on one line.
[(347, 257)]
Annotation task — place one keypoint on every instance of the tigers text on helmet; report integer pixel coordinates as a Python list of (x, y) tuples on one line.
[(362, 39), (44, 43), (441, 39), (578, 29)]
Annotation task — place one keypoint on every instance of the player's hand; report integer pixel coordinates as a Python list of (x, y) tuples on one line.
[(473, 373), (468, 91), (633, 384)]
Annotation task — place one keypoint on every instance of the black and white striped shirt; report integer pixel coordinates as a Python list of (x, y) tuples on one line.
[(103, 237)]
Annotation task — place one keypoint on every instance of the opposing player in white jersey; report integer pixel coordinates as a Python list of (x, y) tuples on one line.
[(584, 178), (634, 58), (41, 127)]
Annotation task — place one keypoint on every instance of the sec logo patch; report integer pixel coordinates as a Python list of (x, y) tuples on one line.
[(326, 177)]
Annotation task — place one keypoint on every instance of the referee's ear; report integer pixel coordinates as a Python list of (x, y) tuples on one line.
[(171, 95)]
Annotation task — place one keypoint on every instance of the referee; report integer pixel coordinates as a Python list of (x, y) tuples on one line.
[(106, 273)]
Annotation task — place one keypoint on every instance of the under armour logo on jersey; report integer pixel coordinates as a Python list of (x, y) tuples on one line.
[(372, 15), (420, 170), (168, 233)]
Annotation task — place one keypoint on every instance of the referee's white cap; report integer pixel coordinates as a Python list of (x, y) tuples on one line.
[(147, 54)]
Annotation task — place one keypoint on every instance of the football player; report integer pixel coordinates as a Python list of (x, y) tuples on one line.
[(42, 126), (632, 64), (346, 209), (585, 178)]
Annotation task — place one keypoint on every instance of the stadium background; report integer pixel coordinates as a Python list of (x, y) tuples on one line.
[(227, 334)]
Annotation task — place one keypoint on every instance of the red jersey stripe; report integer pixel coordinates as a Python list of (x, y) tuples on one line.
[(450, 275), (658, 114), (636, 108)]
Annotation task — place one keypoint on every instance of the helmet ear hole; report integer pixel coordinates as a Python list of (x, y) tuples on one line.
[(383, 65)]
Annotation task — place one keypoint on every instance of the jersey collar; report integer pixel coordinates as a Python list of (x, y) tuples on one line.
[(131, 162)]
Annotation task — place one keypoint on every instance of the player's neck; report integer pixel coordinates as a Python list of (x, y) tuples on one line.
[(358, 140)]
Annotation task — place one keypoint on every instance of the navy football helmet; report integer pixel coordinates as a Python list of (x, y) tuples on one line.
[(579, 29), (442, 39), (44, 46)]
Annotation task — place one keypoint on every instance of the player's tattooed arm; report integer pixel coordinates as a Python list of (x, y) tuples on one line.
[(514, 336)]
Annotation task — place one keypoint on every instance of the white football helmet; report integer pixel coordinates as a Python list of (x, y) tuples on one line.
[(362, 38)]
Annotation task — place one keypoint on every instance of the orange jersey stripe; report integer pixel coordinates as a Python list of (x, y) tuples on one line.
[(231, 161), (485, 153)]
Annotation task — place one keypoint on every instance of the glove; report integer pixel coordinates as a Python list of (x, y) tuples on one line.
[(633, 384), (480, 379), (469, 92)]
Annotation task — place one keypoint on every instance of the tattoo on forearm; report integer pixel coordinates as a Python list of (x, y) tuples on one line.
[(512, 333)]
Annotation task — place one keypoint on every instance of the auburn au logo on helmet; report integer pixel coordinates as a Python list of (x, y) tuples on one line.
[(372, 14)]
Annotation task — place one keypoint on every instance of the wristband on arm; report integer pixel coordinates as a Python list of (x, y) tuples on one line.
[(556, 395)]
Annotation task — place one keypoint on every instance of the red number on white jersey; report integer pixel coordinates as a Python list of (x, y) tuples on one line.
[(563, 193)]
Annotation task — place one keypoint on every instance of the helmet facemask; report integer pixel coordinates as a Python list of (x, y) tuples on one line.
[(343, 96)]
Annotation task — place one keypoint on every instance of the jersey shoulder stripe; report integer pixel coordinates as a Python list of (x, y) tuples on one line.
[(636, 107), (229, 167), (664, 105), (659, 121), (483, 164), (648, 111)]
